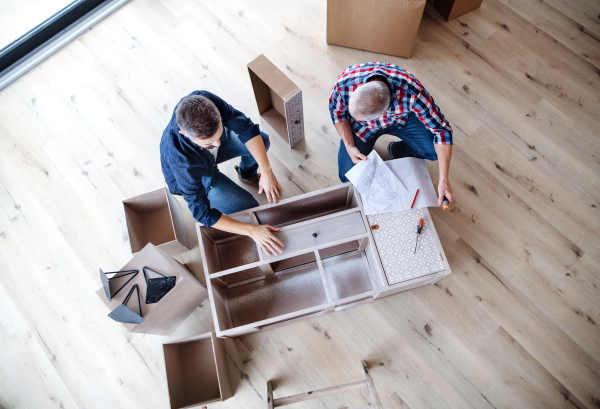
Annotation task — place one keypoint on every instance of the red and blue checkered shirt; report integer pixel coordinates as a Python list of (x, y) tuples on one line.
[(408, 95)]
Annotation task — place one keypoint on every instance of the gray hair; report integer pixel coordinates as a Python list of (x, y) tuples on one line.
[(370, 100), (197, 117)]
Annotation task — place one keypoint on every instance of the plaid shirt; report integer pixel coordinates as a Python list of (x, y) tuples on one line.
[(408, 95)]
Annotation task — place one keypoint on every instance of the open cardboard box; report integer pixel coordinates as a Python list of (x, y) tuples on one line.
[(155, 217), (163, 317), (382, 26), (279, 100), (197, 371), (330, 262)]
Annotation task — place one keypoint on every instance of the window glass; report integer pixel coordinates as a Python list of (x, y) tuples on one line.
[(17, 17)]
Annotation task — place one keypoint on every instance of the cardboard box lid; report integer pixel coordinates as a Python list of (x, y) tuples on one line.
[(273, 77)]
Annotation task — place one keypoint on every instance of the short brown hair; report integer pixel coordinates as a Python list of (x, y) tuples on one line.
[(197, 117)]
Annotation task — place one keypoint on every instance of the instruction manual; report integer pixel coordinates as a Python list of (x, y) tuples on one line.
[(391, 186)]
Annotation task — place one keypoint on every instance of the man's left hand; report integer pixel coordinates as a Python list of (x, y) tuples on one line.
[(269, 184), (444, 189)]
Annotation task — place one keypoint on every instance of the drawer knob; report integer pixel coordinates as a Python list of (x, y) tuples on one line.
[(297, 121), (314, 234)]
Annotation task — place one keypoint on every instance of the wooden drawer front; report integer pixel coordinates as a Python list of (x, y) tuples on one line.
[(294, 119), (301, 236)]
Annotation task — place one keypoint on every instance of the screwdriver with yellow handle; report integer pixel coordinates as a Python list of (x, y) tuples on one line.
[(419, 228)]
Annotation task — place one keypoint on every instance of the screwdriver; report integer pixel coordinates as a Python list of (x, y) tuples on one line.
[(445, 204), (419, 228)]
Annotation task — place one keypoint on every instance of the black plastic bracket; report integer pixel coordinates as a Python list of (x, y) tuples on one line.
[(157, 288)]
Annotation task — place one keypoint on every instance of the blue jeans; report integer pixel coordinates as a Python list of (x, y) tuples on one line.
[(224, 194), (417, 142)]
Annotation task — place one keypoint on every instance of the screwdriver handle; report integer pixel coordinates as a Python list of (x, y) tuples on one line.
[(446, 204), (420, 226)]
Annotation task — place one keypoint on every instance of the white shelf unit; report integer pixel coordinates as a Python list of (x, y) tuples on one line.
[(330, 262)]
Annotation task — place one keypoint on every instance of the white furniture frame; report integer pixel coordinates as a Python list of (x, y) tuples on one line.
[(330, 262)]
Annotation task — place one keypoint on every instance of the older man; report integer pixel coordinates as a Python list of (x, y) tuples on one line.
[(203, 132), (373, 99)]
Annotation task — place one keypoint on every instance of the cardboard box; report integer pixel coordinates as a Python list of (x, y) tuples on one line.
[(163, 317), (451, 9), (383, 26), (331, 261), (279, 100), (155, 217), (197, 371)]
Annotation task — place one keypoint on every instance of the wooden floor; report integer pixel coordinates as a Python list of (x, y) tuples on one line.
[(515, 326)]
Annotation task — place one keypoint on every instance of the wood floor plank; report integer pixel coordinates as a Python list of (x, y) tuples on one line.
[(515, 325)]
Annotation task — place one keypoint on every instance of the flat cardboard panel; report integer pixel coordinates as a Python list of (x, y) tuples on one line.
[(164, 316), (275, 296), (383, 26), (451, 9)]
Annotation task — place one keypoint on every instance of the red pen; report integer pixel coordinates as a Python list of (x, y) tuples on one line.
[(413, 203)]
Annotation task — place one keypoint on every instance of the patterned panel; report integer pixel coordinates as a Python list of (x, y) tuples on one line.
[(395, 240), (294, 118)]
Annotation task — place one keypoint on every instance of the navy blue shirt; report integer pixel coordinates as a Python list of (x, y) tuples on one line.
[(189, 169)]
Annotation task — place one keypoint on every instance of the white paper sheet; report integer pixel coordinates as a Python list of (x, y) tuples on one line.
[(391, 186), (376, 183)]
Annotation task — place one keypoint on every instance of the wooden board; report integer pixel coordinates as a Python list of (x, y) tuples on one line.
[(517, 79)]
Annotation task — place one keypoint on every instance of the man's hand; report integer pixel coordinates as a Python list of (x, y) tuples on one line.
[(265, 239), (355, 154), (444, 189), (269, 184)]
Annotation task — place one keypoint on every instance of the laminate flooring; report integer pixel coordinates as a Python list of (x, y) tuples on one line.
[(516, 325)]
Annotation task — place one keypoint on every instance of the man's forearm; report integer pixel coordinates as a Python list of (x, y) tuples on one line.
[(444, 153), (257, 149), (345, 132), (230, 225)]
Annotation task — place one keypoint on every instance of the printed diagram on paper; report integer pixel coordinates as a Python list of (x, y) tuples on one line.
[(391, 186), (376, 183)]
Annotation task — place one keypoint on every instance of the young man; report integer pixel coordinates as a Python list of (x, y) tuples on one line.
[(205, 131), (373, 99)]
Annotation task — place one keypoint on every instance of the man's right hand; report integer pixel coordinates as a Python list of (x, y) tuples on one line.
[(355, 154), (265, 239)]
